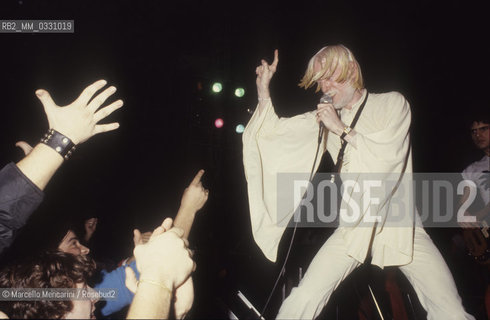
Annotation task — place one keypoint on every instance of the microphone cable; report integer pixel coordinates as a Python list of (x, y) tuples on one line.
[(320, 134)]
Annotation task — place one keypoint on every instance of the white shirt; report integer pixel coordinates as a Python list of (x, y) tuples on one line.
[(476, 173)]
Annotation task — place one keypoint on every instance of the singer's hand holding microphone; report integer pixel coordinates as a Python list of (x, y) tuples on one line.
[(327, 116)]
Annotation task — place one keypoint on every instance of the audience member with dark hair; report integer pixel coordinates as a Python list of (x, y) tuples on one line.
[(53, 269), (164, 261), (478, 171), (162, 257), (22, 184), (475, 234), (62, 231)]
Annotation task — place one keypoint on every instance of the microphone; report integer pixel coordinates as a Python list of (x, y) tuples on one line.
[(326, 98)]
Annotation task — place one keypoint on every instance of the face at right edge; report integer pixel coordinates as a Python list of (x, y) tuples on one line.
[(480, 134)]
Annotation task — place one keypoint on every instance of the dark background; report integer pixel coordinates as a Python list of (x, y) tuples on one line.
[(157, 53)]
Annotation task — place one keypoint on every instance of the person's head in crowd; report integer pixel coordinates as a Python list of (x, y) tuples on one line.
[(53, 233), (70, 243), (52, 269), (64, 235), (480, 133)]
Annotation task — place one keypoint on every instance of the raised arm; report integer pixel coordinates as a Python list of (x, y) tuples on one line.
[(264, 73), (21, 185), (76, 121), (193, 199)]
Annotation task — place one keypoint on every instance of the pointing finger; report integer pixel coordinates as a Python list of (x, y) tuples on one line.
[(197, 178)]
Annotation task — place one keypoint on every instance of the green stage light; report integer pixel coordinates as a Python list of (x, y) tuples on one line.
[(217, 87), (240, 128), (239, 92)]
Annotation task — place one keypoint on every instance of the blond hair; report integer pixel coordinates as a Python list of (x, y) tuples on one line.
[(331, 58)]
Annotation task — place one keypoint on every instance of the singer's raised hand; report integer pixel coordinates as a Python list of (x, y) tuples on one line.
[(264, 73)]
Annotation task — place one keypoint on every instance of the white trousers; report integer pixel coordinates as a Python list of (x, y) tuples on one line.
[(428, 274)]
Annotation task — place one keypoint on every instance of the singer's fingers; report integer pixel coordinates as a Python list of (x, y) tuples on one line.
[(276, 59), (321, 107), (321, 115), (324, 104), (325, 107)]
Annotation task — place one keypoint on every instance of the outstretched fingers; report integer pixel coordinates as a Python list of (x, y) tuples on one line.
[(104, 112), (101, 98), (105, 127), (89, 92)]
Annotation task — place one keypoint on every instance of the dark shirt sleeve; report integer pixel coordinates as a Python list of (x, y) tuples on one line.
[(19, 197)]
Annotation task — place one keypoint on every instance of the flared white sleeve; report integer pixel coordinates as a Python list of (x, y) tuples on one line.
[(273, 145)]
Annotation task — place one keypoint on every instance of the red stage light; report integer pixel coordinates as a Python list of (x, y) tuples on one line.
[(218, 123)]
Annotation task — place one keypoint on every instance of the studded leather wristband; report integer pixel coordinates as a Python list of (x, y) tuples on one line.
[(59, 142)]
